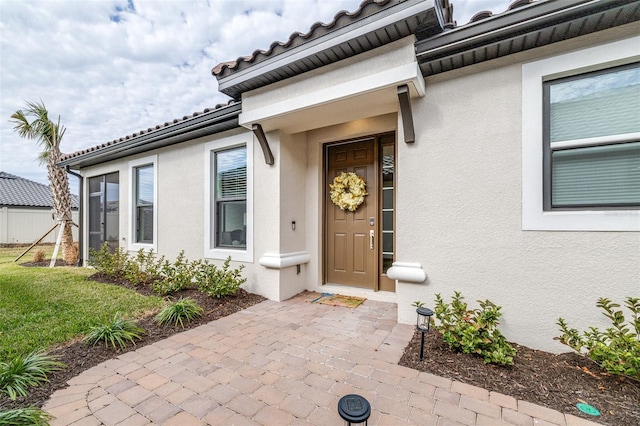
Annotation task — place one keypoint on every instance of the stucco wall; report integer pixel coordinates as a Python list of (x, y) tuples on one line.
[(459, 215)]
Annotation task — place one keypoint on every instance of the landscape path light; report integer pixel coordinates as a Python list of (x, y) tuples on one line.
[(423, 325)]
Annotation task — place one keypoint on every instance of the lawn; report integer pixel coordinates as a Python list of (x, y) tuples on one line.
[(42, 307)]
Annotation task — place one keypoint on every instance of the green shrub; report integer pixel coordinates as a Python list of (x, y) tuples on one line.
[(181, 310), (617, 350), (111, 264), (220, 282), (22, 372), (176, 276), (30, 416), (115, 332), (473, 331)]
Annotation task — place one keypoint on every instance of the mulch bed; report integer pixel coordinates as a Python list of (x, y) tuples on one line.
[(554, 381), (79, 357)]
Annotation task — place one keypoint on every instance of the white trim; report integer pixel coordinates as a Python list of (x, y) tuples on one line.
[(600, 140), (131, 244), (403, 74), (246, 255), (284, 260), (533, 74), (409, 272)]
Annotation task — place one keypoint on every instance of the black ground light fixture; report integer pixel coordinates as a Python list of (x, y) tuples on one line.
[(423, 324)]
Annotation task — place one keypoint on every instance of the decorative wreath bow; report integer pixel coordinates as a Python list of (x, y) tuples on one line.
[(348, 191)]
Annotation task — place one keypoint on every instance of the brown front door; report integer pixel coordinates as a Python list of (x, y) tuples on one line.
[(352, 240)]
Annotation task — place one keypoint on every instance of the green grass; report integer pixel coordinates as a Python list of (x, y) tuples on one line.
[(43, 307)]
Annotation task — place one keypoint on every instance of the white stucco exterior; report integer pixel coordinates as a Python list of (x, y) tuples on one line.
[(459, 192)]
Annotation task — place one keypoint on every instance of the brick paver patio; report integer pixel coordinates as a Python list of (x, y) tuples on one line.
[(283, 364)]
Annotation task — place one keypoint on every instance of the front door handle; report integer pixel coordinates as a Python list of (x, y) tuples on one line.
[(371, 236)]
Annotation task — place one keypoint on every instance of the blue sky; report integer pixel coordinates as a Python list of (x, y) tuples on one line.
[(110, 68)]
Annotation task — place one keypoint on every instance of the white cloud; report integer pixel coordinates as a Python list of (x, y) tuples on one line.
[(110, 68)]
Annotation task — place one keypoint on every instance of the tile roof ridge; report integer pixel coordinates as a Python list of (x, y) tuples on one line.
[(234, 64), (157, 127)]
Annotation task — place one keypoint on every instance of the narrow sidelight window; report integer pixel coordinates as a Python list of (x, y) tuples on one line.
[(144, 192)]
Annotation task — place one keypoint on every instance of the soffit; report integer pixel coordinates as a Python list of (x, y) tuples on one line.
[(525, 27)]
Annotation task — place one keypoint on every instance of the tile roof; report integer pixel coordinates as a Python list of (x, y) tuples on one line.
[(341, 19), (20, 192), (150, 130)]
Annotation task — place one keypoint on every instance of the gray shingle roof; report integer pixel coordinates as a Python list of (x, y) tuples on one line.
[(20, 192)]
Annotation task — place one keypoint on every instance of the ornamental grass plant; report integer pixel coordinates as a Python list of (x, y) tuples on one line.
[(29, 416), (183, 309), (115, 332), (24, 372)]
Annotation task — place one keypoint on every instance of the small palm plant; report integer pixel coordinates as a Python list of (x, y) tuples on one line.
[(31, 416), (115, 332), (22, 372), (179, 311)]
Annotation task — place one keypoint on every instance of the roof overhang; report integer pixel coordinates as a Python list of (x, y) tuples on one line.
[(398, 19), (534, 25), (209, 123)]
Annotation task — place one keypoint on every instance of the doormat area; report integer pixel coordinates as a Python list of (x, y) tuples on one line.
[(337, 300)]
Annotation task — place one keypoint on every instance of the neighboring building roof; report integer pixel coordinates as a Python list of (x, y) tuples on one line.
[(20, 192), (210, 121)]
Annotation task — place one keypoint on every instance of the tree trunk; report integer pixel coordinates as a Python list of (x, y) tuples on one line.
[(62, 204)]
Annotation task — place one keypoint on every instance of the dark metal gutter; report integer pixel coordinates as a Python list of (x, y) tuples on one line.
[(80, 217), (534, 25), (209, 123)]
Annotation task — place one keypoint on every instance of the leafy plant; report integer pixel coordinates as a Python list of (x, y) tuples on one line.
[(473, 331), (220, 282), (176, 276), (114, 264), (30, 416), (22, 372), (417, 304), (181, 310), (617, 350), (115, 332)]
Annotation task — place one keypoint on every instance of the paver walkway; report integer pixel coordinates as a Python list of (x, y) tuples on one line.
[(280, 364)]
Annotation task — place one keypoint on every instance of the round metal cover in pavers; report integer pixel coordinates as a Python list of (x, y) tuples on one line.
[(354, 408)]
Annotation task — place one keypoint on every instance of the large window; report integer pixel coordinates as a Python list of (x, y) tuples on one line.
[(581, 140), (231, 197), (143, 212), (592, 148)]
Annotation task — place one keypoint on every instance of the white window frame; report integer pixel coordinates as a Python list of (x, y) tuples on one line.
[(210, 251), (133, 164), (533, 75)]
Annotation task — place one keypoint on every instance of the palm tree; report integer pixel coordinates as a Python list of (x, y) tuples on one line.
[(48, 135)]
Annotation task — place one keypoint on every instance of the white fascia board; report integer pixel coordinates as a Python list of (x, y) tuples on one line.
[(321, 44), (404, 74)]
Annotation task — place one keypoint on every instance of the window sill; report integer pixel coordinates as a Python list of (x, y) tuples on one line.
[(223, 254), (611, 220)]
